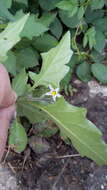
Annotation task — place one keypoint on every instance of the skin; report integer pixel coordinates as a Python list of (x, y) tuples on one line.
[(7, 107)]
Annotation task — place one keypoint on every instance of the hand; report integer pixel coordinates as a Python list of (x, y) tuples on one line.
[(7, 107)]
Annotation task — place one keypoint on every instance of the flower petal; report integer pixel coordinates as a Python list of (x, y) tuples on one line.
[(54, 98), (50, 87), (58, 95), (57, 89), (48, 94)]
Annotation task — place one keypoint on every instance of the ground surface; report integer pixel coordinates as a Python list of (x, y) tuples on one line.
[(51, 170)]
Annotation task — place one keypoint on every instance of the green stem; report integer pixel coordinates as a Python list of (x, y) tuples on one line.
[(86, 3), (74, 40)]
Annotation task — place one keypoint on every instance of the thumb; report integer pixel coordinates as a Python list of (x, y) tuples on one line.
[(5, 117), (7, 95)]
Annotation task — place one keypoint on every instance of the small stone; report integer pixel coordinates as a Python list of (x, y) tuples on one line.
[(7, 180), (102, 186), (91, 175), (77, 81), (96, 88)]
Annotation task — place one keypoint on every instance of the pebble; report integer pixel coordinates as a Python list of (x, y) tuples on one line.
[(102, 186), (96, 88), (7, 179)]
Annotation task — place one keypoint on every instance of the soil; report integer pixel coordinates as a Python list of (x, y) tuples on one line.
[(54, 169)]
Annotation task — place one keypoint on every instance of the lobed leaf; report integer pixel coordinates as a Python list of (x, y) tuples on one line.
[(71, 120), (34, 115), (32, 28), (54, 68), (10, 36)]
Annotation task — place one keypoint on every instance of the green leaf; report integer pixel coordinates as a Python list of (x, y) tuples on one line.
[(100, 72), (70, 6), (71, 120), (7, 3), (4, 10), (48, 132), (32, 28), (47, 4), (91, 15), (19, 83), (65, 82), (81, 12), (25, 2), (34, 115), (47, 18), (26, 58), (56, 28), (100, 24), (84, 72), (97, 4), (38, 92), (24, 43), (83, 1), (10, 63), (85, 40), (19, 5), (97, 57), (73, 61), (10, 36), (100, 41), (54, 68), (17, 137), (39, 145), (44, 42), (71, 22), (89, 37)]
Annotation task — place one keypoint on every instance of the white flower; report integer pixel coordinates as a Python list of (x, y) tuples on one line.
[(53, 92)]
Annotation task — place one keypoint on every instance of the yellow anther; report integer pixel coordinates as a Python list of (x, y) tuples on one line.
[(54, 93)]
